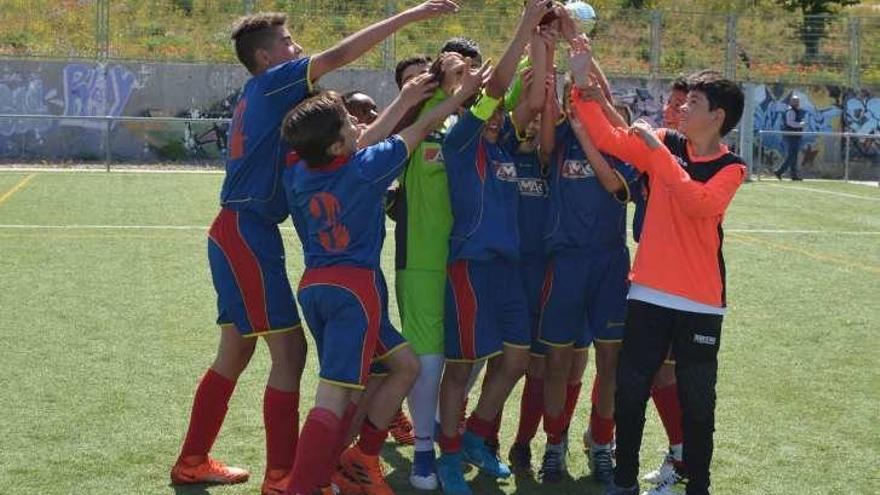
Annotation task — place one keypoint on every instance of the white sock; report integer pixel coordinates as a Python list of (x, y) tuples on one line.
[(423, 398)]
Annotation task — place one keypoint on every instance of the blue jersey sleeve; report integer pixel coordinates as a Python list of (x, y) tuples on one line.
[(288, 83), (630, 177), (465, 132), (382, 162), (509, 138)]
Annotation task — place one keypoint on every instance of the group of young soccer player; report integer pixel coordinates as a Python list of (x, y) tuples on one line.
[(510, 206)]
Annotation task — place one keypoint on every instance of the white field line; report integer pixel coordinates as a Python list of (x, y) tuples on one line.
[(821, 191), (289, 228)]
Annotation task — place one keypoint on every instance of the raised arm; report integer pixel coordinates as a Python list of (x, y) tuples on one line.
[(503, 73), (414, 92), (607, 138), (471, 82), (550, 115), (612, 181), (352, 47)]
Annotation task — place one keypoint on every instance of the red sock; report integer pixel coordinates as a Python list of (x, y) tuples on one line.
[(480, 427), (572, 393), (314, 461), (281, 419), (554, 427), (601, 429), (449, 445), (531, 409), (208, 411), (371, 438), (666, 400), (343, 440)]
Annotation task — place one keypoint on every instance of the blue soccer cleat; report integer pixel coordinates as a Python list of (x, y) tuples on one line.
[(476, 452), (451, 475)]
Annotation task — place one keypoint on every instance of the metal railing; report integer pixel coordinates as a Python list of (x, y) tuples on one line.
[(846, 148), (767, 45), (186, 138)]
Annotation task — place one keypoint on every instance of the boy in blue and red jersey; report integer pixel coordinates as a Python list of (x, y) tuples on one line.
[(245, 250), (584, 290), (485, 307), (337, 198)]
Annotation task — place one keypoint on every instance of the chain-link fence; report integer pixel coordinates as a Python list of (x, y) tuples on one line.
[(817, 155), (774, 45)]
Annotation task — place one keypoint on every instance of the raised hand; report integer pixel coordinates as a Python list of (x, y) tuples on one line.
[(418, 89), (431, 9), (644, 130), (474, 79), (580, 60), (535, 10)]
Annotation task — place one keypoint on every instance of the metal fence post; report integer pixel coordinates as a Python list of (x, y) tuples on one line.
[(656, 26), (846, 147), (757, 172), (854, 25), (746, 138), (730, 53), (102, 29), (389, 43), (108, 156)]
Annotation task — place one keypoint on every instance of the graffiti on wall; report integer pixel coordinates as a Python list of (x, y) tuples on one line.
[(95, 90), (26, 94), (863, 117), (86, 90)]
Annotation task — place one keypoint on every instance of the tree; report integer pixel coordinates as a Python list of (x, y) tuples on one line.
[(815, 18)]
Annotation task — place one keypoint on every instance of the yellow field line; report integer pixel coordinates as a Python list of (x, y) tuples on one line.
[(16, 188), (817, 256)]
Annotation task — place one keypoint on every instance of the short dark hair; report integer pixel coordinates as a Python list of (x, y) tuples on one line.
[(721, 93), (313, 125), (406, 64), (680, 83), (253, 32), (465, 47)]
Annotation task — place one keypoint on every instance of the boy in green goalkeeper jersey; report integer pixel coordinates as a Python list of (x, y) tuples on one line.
[(424, 218)]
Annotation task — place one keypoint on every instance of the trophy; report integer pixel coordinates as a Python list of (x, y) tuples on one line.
[(583, 14)]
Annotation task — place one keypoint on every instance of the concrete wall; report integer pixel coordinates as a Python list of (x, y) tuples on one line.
[(83, 88)]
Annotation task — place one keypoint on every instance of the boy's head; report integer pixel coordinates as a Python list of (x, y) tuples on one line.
[(263, 41), (714, 105), (360, 106), (409, 68), (465, 47), (678, 92), (320, 128)]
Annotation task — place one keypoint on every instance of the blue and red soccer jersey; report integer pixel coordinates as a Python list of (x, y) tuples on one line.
[(586, 281), (483, 190), (583, 215), (339, 214), (245, 250), (534, 203), (256, 152), (485, 304)]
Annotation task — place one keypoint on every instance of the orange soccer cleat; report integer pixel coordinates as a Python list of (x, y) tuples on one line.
[(204, 469), (366, 471), (275, 481)]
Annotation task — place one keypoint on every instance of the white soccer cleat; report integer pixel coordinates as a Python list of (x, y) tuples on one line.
[(667, 486), (667, 466)]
